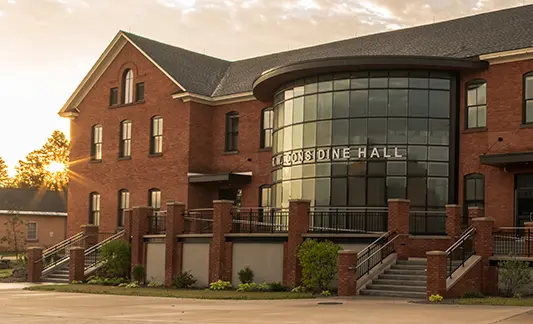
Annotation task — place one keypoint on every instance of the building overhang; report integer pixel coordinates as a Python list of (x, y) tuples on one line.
[(214, 101), (265, 85), (506, 159), (237, 178)]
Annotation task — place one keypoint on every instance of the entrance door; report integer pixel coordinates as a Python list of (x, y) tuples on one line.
[(231, 194), (523, 199)]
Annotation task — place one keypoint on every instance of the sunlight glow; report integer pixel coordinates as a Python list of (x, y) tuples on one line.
[(56, 167)]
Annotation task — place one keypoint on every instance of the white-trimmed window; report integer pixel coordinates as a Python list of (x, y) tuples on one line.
[(123, 203), (156, 136), (476, 104), (94, 208), (96, 147), (31, 231), (154, 198), (125, 139), (267, 125), (127, 87)]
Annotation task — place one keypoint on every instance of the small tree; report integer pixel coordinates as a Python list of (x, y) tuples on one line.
[(15, 236), (116, 258), (319, 263), (514, 274)]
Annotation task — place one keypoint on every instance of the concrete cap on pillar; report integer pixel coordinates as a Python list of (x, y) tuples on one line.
[(175, 203), (452, 206), (77, 248), (135, 207), (528, 224), (475, 207), (348, 252), (223, 202), (35, 248), (398, 200), (436, 253), (483, 219), (299, 200)]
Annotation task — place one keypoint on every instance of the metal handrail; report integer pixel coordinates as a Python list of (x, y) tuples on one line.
[(95, 248), (375, 243), (379, 250), (465, 256), (334, 209), (469, 232), (62, 244)]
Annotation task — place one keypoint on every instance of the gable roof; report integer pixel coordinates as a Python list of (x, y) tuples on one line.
[(33, 200)]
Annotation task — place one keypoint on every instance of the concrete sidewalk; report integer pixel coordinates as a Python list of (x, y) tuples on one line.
[(20, 306)]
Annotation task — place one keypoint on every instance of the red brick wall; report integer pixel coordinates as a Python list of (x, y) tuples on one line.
[(504, 118), (417, 247)]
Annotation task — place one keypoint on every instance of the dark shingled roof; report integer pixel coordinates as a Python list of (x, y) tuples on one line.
[(23, 199), (467, 37)]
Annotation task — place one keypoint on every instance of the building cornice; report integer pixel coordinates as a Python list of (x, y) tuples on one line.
[(508, 56), (214, 101)]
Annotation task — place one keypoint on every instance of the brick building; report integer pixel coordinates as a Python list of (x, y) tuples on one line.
[(437, 114)]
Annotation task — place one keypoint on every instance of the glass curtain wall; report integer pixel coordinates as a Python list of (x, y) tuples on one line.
[(358, 139)]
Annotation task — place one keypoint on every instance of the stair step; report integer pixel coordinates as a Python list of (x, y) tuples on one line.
[(56, 280), (415, 267), (404, 288), (392, 293), (406, 272), (413, 261), (417, 283), (402, 277), (56, 276)]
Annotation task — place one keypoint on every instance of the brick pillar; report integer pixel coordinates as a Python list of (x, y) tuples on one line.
[(483, 245), (475, 212), (35, 264), (398, 221), (529, 235), (76, 264), (436, 273), (298, 225), (454, 220), (173, 250), (139, 228), (128, 214), (347, 279), (91, 231), (218, 265)]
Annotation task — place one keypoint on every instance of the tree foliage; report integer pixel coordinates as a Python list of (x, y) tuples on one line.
[(15, 237), (34, 173), (319, 263), (4, 176)]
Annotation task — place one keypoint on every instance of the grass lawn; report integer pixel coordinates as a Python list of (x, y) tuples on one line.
[(8, 254), (497, 301), (4, 273), (175, 293)]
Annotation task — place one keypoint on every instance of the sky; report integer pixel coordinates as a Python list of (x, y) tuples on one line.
[(48, 46)]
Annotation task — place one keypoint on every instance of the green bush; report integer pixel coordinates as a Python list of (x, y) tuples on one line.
[(116, 258), (435, 298), (277, 286), (299, 289), (154, 284), (134, 284), (319, 263), (247, 287), (183, 280), (138, 273), (263, 287), (514, 275), (473, 294), (95, 280), (246, 275), (220, 285), (325, 293)]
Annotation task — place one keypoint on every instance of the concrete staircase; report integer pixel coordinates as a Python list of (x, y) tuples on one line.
[(405, 279), (61, 275)]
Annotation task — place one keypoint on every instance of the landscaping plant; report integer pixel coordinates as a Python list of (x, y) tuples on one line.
[(435, 298), (319, 263), (183, 280), (246, 275), (514, 275), (247, 287), (473, 294), (138, 273), (116, 258), (15, 235), (154, 284), (277, 286), (220, 285)]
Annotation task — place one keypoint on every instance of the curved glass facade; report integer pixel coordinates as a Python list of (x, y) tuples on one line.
[(358, 139)]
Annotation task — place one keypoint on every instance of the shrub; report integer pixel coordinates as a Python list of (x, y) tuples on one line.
[(319, 263), (435, 298), (246, 275), (514, 274), (247, 287), (138, 273), (325, 293), (473, 294), (116, 258), (183, 280), (299, 289), (134, 284), (278, 286), (94, 280), (154, 284), (220, 285), (263, 287)]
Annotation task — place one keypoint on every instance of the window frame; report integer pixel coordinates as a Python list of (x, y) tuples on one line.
[(264, 210), (150, 198), (477, 105), (36, 238), (125, 142), (466, 201), (97, 154), (113, 96), (232, 135), (127, 87), (120, 206), (525, 99), (264, 130), (154, 137), (94, 214), (138, 86)]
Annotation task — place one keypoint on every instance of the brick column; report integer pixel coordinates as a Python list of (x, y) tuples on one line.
[(76, 265), (475, 212), (436, 273), (454, 220), (483, 245), (347, 279), (91, 231), (298, 225), (128, 214), (529, 235), (218, 265), (139, 228), (398, 221), (173, 249), (35, 264)]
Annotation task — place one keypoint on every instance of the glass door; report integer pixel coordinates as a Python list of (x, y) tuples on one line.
[(523, 199)]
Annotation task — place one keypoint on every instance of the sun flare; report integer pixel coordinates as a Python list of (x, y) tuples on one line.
[(56, 167)]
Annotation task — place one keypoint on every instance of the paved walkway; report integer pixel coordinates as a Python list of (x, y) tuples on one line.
[(27, 307)]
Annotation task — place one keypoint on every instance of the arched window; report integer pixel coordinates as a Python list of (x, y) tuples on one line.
[(154, 198), (156, 135), (125, 139), (267, 125), (96, 142), (94, 208), (474, 188), (528, 98), (127, 87), (123, 203), (476, 104), (232, 131)]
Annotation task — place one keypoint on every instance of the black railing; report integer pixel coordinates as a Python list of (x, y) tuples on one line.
[(513, 241), (375, 254), (157, 224), (198, 221), (349, 220), (60, 253), (259, 220), (460, 251), (93, 254), (427, 222)]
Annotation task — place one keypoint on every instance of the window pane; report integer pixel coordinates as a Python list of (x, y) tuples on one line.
[(288, 111), (280, 111), (480, 189), (416, 191), (323, 134), (325, 83), (529, 87), (339, 169), (377, 131), (359, 103), (481, 116), (377, 102), (309, 170), (437, 153), (438, 169), (139, 92), (309, 134), (299, 90), (417, 169), (311, 85), (358, 131), (472, 97), (398, 82), (439, 84), (379, 82), (357, 191), (422, 83), (437, 192), (340, 132), (323, 169), (439, 104), (439, 131), (325, 101), (417, 153), (297, 136), (418, 103), (357, 168), (342, 84), (322, 192), (470, 188), (529, 111), (308, 189), (397, 131), (298, 110), (310, 103), (396, 168), (482, 94), (296, 171), (341, 102), (398, 102), (377, 168), (396, 187), (378, 195), (338, 192), (472, 117), (359, 83), (287, 138), (418, 131), (281, 140), (296, 189)]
